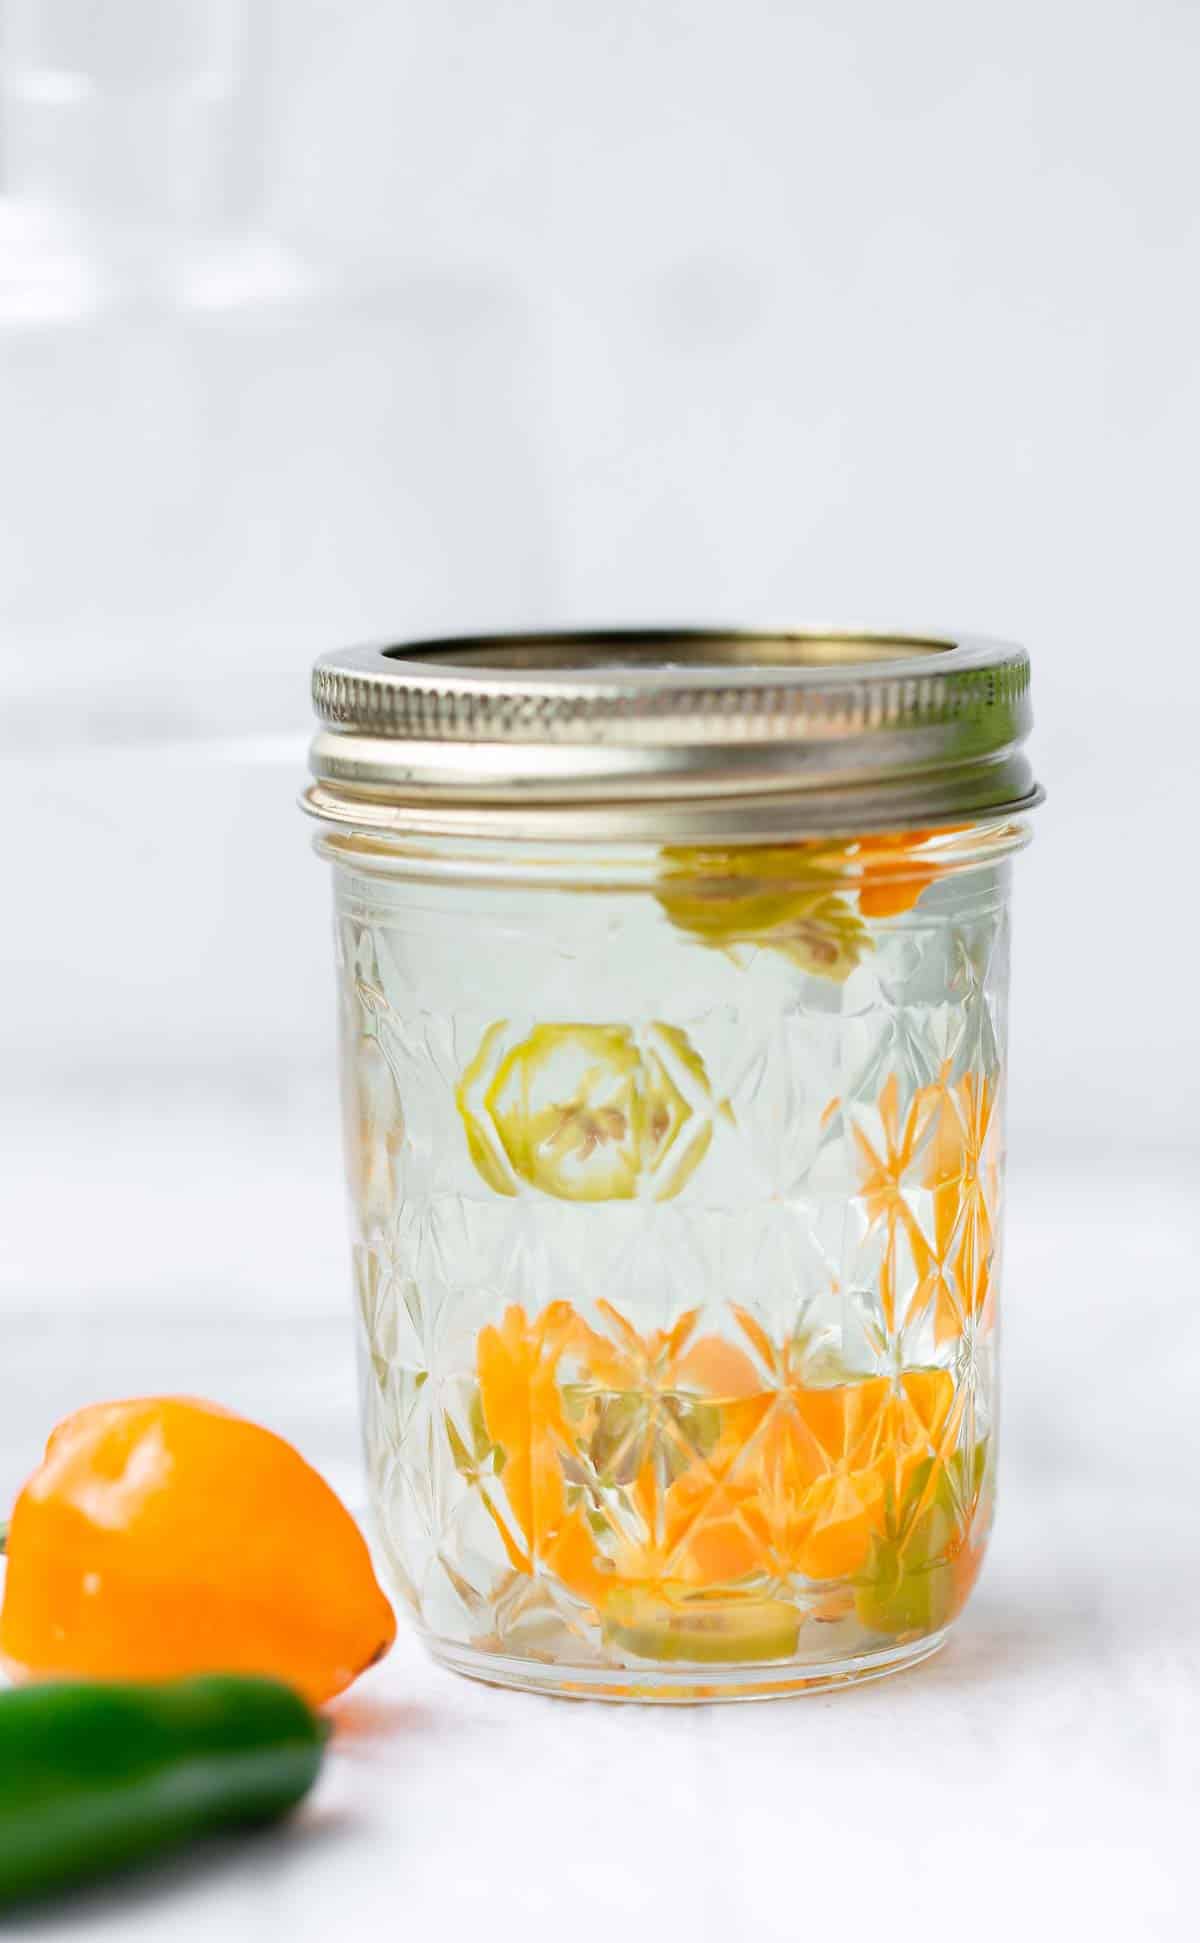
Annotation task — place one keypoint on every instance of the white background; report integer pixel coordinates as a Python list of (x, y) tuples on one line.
[(321, 321)]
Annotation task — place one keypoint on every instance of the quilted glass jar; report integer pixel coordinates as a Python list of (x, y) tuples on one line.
[(673, 983)]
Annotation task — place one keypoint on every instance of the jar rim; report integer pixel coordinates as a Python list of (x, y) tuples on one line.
[(691, 734)]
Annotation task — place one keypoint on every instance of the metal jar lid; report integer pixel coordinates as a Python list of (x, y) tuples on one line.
[(665, 735)]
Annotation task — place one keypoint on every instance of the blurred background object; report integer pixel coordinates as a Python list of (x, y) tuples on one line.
[(320, 323)]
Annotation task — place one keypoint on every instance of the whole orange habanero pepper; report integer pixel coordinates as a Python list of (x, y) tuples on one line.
[(164, 1536)]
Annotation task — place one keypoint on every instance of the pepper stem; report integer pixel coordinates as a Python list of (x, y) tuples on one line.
[(3, 1536)]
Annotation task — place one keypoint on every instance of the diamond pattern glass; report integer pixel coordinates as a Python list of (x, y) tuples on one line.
[(676, 1242)]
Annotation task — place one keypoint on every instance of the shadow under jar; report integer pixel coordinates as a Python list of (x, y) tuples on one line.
[(673, 974)]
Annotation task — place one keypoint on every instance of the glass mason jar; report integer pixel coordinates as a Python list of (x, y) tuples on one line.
[(673, 974)]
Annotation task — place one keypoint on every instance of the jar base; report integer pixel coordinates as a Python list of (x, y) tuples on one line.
[(680, 1686)]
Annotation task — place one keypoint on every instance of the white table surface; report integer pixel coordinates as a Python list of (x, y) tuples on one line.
[(1041, 1778)]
